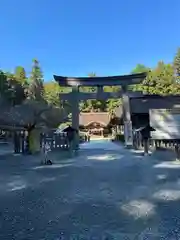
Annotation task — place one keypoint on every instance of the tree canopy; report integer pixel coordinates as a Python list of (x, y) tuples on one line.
[(17, 87)]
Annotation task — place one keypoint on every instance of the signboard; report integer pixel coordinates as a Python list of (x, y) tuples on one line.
[(166, 123)]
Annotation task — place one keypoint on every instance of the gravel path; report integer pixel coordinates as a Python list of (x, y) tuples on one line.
[(106, 192)]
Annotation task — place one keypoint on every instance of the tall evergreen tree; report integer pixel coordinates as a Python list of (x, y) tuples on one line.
[(140, 68), (51, 93), (176, 62), (92, 74), (160, 80), (176, 65), (17, 89), (20, 75), (36, 84), (5, 91)]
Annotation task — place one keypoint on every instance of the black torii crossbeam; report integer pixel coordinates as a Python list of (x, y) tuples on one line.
[(121, 80)]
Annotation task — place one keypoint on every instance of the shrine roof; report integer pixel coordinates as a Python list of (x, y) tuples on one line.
[(101, 81), (99, 117)]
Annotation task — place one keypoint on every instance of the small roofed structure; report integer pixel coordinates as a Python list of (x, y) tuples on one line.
[(65, 129)]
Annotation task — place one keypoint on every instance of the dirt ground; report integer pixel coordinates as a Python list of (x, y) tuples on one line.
[(106, 192)]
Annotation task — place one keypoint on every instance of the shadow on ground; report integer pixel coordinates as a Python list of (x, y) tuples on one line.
[(108, 192)]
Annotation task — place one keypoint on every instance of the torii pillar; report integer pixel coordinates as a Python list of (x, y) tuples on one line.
[(128, 134), (75, 113)]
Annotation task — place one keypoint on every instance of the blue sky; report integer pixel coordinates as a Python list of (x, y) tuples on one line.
[(75, 37)]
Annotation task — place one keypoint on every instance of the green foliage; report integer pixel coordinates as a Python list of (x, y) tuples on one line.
[(51, 93), (140, 68), (17, 90), (176, 62), (112, 104), (160, 80), (36, 82), (92, 74), (20, 75), (5, 89), (11, 91), (15, 87), (3, 83)]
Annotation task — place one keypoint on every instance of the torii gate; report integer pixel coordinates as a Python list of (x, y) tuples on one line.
[(75, 96)]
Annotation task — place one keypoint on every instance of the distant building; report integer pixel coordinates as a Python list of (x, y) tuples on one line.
[(98, 123)]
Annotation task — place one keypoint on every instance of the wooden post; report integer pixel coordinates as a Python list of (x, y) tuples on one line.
[(146, 146), (177, 151)]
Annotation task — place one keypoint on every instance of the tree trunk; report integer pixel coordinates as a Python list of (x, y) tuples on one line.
[(29, 130)]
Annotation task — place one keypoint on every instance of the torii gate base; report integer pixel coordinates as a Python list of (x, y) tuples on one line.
[(75, 96)]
